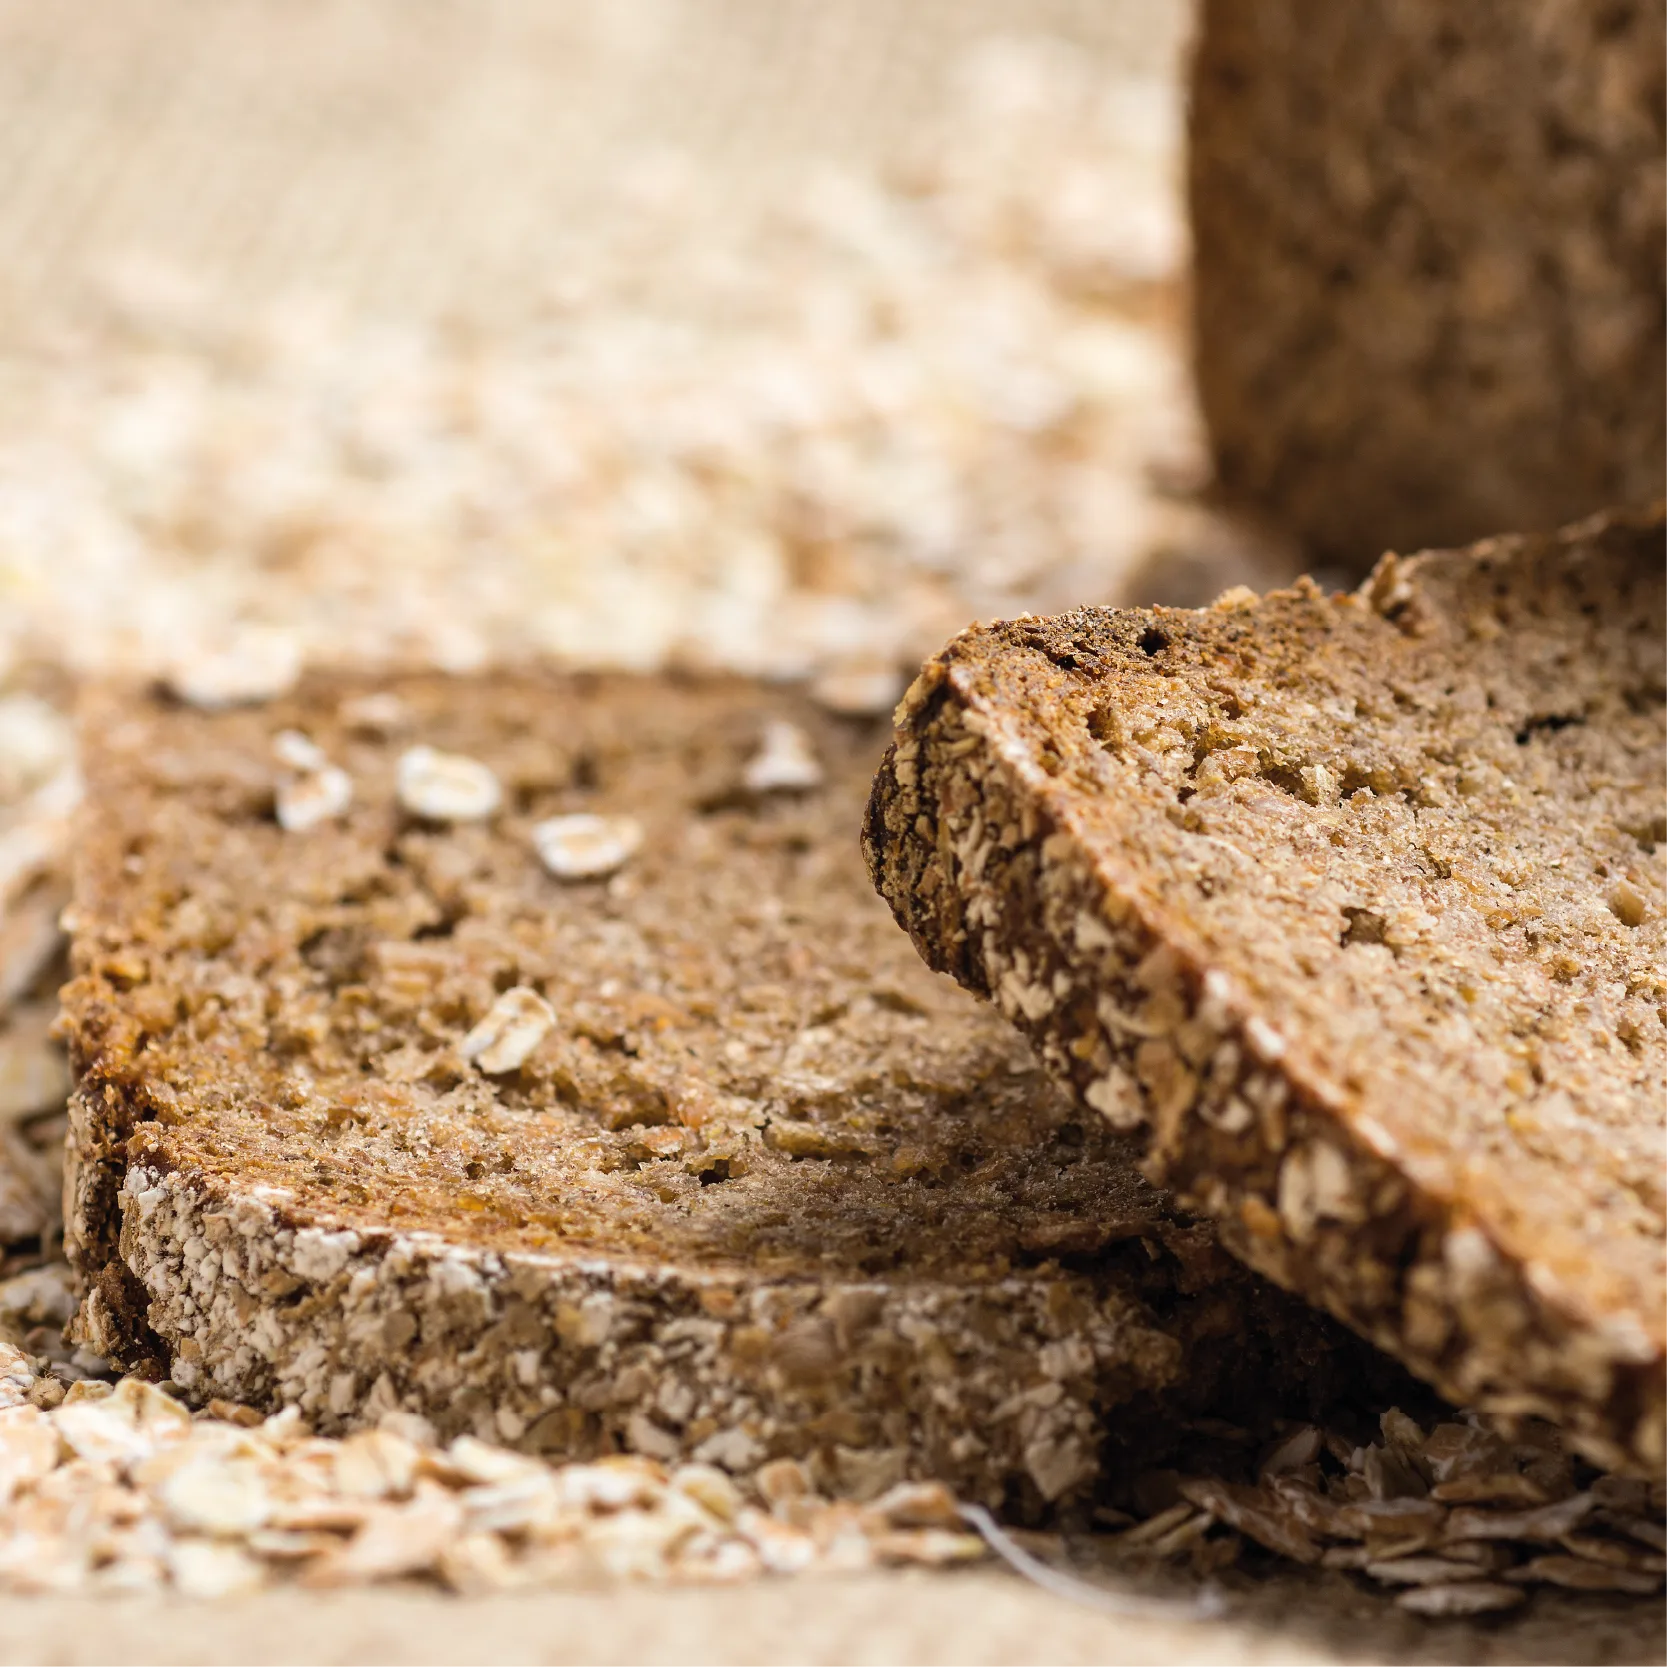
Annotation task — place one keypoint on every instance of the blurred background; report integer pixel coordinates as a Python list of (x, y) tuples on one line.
[(788, 335)]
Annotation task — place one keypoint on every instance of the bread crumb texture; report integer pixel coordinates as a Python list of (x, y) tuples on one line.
[(1355, 905)]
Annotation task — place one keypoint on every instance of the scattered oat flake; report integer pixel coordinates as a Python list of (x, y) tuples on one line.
[(782, 1549), (1581, 1575), (1508, 1487), (1619, 1553), (1296, 1450), (933, 1547), (393, 1540), (212, 1569), (1384, 1517), (216, 1498), (1547, 1523), (1253, 1514), (918, 1505), (28, 1449), (586, 847), (1184, 1535), (712, 1489), (504, 1040), (298, 751), (1419, 1571), (375, 1464), (305, 801), (784, 763), (475, 1564), (446, 787), (1155, 1527), (254, 667), (1466, 1597), (858, 691), (380, 713), (1648, 1530)]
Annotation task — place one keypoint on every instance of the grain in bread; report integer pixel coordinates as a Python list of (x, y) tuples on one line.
[(1355, 904), (567, 1084)]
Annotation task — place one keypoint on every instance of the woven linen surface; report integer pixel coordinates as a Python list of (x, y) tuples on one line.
[(420, 154)]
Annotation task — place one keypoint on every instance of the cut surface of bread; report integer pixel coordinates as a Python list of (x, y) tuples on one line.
[(1428, 276), (1355, 905), (690, 1156)]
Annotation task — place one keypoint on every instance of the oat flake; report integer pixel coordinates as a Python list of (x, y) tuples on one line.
[(253, 667), (517, 1022), (446, 787), (785, 761), (305, 801), (586, 847)]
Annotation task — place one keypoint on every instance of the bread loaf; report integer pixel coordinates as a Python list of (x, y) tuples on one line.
[(1429, 292), (531, 1052)]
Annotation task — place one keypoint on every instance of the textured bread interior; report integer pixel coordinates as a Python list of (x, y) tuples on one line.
[(721, 1020), (1357, 903)]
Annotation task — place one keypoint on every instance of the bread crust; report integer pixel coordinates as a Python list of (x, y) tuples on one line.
[(1245, 877)]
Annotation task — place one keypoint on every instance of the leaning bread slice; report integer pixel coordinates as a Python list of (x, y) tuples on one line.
[(1356, 905), (532, 1053)]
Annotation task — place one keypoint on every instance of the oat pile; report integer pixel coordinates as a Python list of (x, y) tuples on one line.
[(121, 1488), (899, 399), (1462, 1519)]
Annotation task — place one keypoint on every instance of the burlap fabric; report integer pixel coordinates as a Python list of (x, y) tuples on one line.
[(434, 156)]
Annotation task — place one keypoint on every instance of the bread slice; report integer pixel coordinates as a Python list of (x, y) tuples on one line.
[(1428, 284), (1355, 905), (690, 1156)]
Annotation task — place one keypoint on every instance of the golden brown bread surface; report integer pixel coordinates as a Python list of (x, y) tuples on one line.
[(765, 1186), (1355, 904)]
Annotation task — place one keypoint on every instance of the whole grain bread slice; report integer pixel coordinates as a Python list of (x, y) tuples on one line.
[(1355, 905), (648, 1132)]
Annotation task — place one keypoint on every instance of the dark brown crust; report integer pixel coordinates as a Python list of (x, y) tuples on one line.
[(1428, 263), (996, 835)]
